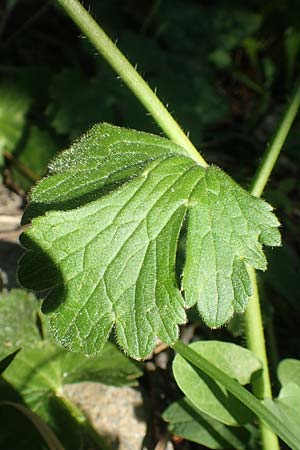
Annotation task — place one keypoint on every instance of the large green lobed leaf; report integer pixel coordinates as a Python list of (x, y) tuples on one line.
[(111, 211)]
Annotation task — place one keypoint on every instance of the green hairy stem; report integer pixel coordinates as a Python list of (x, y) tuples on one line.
[(130, 76)]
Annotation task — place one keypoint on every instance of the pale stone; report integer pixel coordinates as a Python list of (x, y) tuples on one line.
[(116, 413)]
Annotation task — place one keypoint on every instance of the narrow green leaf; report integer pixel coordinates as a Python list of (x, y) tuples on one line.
[(186, 421), (208, 395), (109, 247)]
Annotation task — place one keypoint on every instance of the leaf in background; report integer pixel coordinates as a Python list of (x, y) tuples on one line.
[(18, 314), (14, 104), (236, 326), (41, 370), (18, 329), (113, 259), (77, 102), (5, 362), (209, 396), (292, 48), (186, 421), (230, 31), (287, 406), (34, 157), (288, 371), (282, 276)]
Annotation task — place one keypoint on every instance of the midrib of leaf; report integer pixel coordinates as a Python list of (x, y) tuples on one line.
[(41, 374), (143, 179), (215, 253)]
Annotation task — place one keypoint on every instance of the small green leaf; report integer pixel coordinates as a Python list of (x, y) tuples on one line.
[(18, 314), (108, 249), (289, 371), (280, 427), (210, 396), (287, 406), (186, 421)]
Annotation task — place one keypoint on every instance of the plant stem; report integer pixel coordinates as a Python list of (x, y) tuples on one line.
[(240, 393), (253, 317), (267, 164), (130, 76), (256, 342)]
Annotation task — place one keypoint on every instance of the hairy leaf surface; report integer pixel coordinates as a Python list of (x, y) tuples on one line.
[(115, 203)]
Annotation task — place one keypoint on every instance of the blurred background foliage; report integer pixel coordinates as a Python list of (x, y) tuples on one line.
[(225, 68)]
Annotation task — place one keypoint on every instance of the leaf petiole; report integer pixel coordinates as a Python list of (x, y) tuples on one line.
[(130, 76)]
